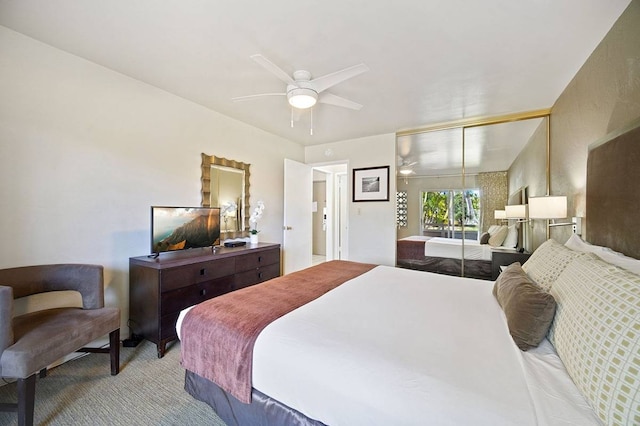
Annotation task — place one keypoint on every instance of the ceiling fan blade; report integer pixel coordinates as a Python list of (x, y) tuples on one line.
[(273, 68), (326, 81), (249, 97), (330, 99)]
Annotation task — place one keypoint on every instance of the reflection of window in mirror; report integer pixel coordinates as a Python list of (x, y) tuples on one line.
[(227, 186), (444, 213)]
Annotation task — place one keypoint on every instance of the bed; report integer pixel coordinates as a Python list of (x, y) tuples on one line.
[(349, 343), (373, 350)]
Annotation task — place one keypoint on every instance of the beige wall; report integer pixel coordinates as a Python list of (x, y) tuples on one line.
[(85, 151), (602, 97), (529, 170)]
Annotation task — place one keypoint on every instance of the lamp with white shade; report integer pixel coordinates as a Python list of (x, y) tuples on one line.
[(548, 207), (516, 211), (499, 214), (553, 207)]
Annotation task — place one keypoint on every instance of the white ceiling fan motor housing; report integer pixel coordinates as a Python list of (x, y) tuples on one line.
[(302, 95)]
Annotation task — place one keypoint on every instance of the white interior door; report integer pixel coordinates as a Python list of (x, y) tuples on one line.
[(298, 226)]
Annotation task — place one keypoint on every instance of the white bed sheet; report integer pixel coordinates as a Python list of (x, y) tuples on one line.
[(396, 346), (416, 238), (452, 247)]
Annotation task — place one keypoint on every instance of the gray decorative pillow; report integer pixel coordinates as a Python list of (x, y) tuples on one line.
[(528, 308), (484, 238)]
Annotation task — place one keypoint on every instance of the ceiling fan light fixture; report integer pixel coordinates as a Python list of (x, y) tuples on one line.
[(302, 97), (406, 171)]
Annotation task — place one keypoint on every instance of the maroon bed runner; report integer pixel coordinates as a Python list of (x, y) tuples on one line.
[(217, 336)]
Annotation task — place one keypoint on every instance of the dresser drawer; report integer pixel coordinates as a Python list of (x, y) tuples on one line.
[(177, 300), (255, 276), (255, 260), (183, 276)]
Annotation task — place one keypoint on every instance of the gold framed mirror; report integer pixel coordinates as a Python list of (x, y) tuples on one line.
[(225, 184)]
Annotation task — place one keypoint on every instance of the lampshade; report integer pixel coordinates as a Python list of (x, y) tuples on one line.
[(302, 97), (548, 207), (499, 214), (516, 211)]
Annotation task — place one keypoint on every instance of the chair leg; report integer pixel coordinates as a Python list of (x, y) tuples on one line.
[(114, 350), (26, 400)]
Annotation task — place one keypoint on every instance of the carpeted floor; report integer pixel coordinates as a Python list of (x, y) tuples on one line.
[(148, 391)]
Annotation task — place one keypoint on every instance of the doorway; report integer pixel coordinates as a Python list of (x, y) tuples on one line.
[(329, 207)]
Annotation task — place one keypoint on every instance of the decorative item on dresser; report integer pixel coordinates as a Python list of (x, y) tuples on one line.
[(505, 258), (159, 288)]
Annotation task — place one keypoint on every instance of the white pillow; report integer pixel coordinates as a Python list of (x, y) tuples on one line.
[(625, 262), (492, 229), (496, 239), (512, 237)]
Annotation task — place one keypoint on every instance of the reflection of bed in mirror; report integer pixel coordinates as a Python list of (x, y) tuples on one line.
[(393, 346), (411, 248), (443, 255)]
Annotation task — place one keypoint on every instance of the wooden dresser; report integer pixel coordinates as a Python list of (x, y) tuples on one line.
[(160, 288)]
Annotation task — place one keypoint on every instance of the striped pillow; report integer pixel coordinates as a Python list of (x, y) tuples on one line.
[(596, 332), (547, 263)]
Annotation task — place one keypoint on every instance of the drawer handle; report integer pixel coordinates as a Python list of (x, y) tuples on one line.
[(203, 271), (259, 258), (203, 292), (260, 275)]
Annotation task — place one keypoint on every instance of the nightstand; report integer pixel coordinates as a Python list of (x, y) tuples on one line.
[(505, 258)]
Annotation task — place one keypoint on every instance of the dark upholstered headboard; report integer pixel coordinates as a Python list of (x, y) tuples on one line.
[(613, 192)]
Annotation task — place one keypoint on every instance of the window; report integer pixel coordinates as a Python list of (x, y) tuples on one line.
[(446, 213)]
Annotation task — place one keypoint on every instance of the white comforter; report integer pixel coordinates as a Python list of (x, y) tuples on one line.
[(397, 346)]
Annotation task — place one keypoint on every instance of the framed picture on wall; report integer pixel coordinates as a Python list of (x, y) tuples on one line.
[(371, 184)]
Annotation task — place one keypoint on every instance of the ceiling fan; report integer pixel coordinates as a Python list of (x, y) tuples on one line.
[(302, 92), (406, 168)]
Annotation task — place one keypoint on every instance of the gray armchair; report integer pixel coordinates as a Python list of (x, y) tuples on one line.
[(31, 342)]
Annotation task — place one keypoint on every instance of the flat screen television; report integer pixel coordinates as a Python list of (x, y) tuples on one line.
[(181, 228)]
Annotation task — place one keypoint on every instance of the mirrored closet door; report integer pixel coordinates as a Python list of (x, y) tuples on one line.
[(453, 182)]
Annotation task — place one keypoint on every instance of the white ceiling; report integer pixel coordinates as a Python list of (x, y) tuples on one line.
[(430, 61)]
